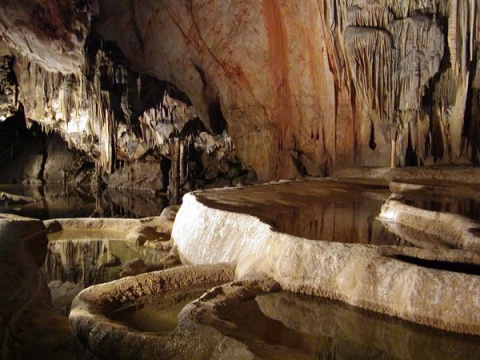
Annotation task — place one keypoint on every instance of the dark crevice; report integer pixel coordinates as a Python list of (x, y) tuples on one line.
[(11, 76), (41, 173), (86, 166), (474, 231), (218, 124), (165, 166), (175, 93), (372, 144), (298, 164), (217, 121), (410, 155), (470, 269), (193, 127), (150, 95), (202, 75)]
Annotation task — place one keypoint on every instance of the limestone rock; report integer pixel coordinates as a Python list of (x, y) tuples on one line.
[(141, 175), (8, 85), (302, 87), (138, 266), (290, 90), (30, 328), (361, 275), (61, 164), (53, 33), (94, 305), (143, 233), (169, 213)]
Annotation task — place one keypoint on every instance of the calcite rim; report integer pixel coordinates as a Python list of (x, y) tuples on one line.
[(90, 311), (362, 275)]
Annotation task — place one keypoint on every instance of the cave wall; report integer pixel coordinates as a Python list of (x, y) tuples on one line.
[(125, 121), (302, 87)]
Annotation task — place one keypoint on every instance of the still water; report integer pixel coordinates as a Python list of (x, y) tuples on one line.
[(444, 201), (78, 259), (55, 202), (286, 325), (280, 325), (313, 209), (160, 316)]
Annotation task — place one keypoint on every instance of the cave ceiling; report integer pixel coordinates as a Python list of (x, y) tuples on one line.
[(294, 88)]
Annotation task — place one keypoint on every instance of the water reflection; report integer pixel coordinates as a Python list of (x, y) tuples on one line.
[(54, 202), (291, 326), (76, 260), (160, 316), (134, 204), (444, 201), (315, 210), (347, 222)]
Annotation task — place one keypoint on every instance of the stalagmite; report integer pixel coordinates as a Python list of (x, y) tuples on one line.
[(175, 171)]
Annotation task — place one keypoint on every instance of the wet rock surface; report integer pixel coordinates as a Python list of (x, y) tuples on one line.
[(284, 325), (30, 328), (94, 307), (415, 279), (252, 318), (398, 279), (85, 252)]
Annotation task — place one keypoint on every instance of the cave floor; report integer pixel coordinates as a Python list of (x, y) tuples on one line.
[(346, 211)]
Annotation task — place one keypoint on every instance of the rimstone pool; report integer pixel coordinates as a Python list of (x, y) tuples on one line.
[(290, 270), (278, 237)]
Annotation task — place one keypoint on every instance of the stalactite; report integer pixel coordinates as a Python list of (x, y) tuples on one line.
[(8, 88), (378, 16), (473, 10), (107, 143), (174, 181), (456, 119), (392, 53), (369, 55)]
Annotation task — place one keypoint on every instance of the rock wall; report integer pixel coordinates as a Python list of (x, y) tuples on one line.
[(29, 328), (306, 87), (303, 88), (8, 82)]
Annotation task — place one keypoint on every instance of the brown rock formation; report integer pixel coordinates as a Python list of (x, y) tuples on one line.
[(29, 328), (303, 88)]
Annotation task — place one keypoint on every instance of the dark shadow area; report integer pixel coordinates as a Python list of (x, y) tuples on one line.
[(372, 144), (217, 120), (475, 231), (193, 127), (411, 158), (470, 269)]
